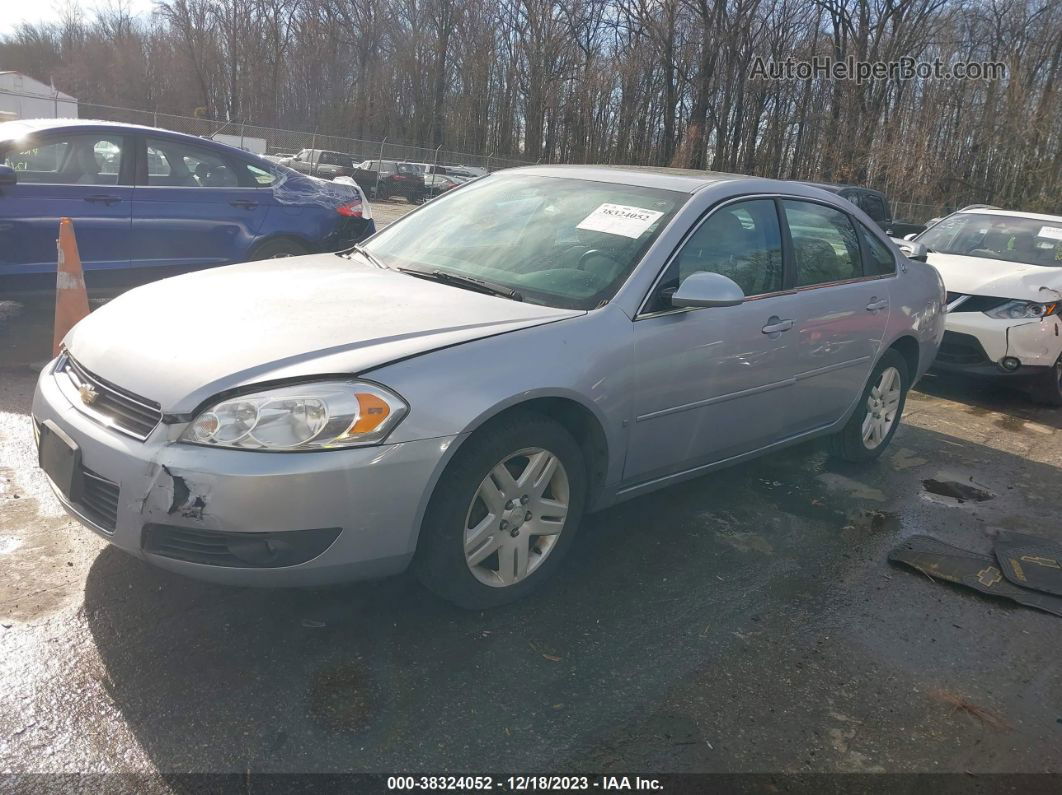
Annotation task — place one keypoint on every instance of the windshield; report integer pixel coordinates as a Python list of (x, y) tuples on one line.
[(561, 242), (1005, 237)]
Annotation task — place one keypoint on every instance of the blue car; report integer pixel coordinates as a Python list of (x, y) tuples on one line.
[(147, 203)]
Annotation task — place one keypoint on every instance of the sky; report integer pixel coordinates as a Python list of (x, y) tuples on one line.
[(15, 12)]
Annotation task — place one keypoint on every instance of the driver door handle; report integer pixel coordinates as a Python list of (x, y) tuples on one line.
[(246, 204), (875, 304), (775, 325)]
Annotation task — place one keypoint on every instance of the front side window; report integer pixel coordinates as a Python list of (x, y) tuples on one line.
[(740, 241), (1003, 237), (825, 246), (259, 176), (81, 159), (176, 164), (561, 242)]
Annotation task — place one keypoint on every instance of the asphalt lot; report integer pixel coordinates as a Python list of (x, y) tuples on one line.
[(746, 621)]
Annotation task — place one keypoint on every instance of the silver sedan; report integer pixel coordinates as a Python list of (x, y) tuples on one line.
[(457, 393)]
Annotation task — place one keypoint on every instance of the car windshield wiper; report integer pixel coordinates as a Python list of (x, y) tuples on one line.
[(368, 255), (466, 282)]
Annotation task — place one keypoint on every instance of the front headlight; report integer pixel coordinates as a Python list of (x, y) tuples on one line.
[(312, 416), (1022, 310)]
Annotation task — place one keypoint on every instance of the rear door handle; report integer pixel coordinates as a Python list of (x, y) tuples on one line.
[(101, 198), (247, 204), (875, 304), (775, 325)]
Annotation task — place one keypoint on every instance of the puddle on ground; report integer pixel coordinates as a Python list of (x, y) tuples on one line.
[(956, 490)]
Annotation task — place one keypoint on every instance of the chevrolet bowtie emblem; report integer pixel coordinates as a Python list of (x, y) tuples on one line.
[(88, 394)]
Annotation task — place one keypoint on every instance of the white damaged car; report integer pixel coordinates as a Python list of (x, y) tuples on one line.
[(1003, 274)]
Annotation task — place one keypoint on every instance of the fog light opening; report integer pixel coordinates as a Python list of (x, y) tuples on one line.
[(1010, 363)]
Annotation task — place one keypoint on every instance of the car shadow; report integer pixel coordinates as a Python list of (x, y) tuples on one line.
[(981, 396), (384, 676)]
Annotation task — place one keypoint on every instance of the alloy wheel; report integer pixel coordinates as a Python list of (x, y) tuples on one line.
[(516, 517), (883, 402)]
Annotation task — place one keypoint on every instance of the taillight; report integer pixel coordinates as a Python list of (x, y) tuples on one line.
[(350, 209)]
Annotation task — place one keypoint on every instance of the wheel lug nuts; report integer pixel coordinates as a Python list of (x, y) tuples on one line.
[(510, 504), (504, 525), (514, 532), (527, 516), (523, 500)]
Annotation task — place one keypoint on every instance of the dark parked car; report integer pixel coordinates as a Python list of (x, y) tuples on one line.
[(875, 204), (156, 201), (383, 179), (321, 163)]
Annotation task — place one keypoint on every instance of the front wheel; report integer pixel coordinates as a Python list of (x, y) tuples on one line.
[(877, 415), (504, 513)]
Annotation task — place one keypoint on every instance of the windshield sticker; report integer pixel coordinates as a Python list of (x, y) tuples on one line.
[(619, 219), (1052, 232)]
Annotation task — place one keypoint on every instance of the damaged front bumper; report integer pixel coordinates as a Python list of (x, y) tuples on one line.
[(246, 517), (976, 344)]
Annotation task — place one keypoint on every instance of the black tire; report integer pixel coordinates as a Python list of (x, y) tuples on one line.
[(847, 444), (440, 562), (1048, 389), (281, 247)]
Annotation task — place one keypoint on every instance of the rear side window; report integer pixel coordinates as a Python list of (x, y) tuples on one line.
[(878, 260), (825, 246), (80, 159), (176, 164), (740, 241)]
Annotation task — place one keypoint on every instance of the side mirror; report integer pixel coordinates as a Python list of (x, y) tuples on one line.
[(911, 249), (707, 289), (8, 175)]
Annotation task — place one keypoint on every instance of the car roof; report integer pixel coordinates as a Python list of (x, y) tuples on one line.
[(676, 179), (837, 187), (10, 130), (1011, 213)]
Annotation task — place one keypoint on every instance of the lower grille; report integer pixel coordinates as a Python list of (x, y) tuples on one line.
[(99, 499), (962, 349), (237, 550)]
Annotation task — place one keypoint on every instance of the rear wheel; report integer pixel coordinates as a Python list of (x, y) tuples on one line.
[(1049, 389), (504, 513), (877, 415), (281, 247)]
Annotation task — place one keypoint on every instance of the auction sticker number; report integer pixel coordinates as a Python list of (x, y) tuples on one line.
[(619, 219)]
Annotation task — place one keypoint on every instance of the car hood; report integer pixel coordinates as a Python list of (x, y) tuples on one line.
[(995, 277), (180, 341)]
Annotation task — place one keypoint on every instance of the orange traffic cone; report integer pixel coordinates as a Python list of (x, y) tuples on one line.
[(71, 298)]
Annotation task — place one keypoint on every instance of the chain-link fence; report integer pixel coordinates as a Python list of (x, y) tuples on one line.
[(271, 141), (912, 213)]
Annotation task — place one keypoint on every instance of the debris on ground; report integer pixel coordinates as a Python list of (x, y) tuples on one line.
[(941, 561), (960, 704), (1030, 561)]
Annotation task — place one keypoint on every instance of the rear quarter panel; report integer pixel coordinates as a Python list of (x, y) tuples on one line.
[(917, 309)]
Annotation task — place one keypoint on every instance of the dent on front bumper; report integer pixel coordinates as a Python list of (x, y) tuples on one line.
[(975, 343), (374, 496)]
